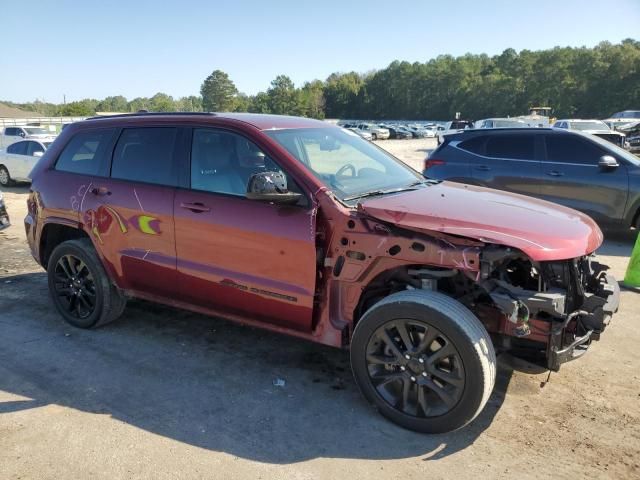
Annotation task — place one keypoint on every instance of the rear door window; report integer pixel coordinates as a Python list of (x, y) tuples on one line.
[(474, 145), (519, 147), (146, 155), (18, 148), (572, 149), (85, 151)]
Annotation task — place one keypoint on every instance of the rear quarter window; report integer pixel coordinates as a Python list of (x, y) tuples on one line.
[(518, 147), (18, 148), (85, 152), (474, 145)]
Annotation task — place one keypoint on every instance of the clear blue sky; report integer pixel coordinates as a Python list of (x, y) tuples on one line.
[(137, 48)]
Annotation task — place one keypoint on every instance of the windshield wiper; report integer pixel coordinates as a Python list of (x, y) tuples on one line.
[(373, 193)]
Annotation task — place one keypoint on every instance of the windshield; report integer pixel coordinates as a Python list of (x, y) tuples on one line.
[(592, 125), (344, 162), (36, 131)]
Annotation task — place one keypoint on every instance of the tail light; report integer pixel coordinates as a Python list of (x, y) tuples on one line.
[(432, 162)]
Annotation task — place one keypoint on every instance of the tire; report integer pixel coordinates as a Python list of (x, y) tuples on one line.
[(374, 136), (79, 258), (5, 177), (471, 369)]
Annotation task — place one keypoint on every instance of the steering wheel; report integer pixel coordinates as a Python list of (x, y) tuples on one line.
[(344, 168)]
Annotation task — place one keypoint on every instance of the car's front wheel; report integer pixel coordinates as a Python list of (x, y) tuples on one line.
[(79, 286), (424, 361)]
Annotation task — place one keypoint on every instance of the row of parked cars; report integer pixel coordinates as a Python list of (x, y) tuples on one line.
[(385, 130)]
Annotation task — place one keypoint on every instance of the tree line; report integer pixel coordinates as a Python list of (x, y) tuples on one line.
[(575, 82)]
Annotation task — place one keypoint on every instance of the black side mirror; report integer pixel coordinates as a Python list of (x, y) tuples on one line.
[(271, 187), (22, 134), (607, 161)]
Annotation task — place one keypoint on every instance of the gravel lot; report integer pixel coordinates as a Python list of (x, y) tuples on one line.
[(169, 394)]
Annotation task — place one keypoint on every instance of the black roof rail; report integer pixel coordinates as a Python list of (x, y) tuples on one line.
[(151, 114)]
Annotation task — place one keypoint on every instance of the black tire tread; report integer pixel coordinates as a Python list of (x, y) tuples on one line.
[(467, 323), (113, 302)]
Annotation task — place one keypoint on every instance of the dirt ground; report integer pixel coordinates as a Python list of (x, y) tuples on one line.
[(163, 393)]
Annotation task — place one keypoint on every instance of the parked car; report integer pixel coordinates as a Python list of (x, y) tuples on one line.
[(301, 227), (377, 133), (398, 132), (4, 216), (420, 132), (632, 132), (621, 119), (453, 127), (594, 127), (15, 134), (571, 168), (363, 133), (500, 123), (17, 161)]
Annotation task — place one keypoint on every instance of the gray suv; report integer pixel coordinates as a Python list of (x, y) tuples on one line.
[(574, 169)]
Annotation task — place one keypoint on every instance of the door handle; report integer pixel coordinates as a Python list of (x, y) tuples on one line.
[(195, 207), (555, 173), (483, 168), (100, 191)]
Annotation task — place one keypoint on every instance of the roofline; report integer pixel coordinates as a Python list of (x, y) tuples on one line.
[(152, 114)]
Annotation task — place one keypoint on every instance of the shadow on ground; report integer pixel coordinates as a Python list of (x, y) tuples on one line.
[(205, 382)]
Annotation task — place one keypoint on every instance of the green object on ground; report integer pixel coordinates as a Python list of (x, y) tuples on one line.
[(632, 277)]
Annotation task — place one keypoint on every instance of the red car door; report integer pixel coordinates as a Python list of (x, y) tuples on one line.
[(241, 256), (129, 212)]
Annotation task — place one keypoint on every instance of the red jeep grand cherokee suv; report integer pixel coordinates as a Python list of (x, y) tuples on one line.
[(304, 228)]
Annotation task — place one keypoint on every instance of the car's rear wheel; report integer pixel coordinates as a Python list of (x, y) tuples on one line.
[(424, 361), (5, 177), (374, 136), (79, 286)]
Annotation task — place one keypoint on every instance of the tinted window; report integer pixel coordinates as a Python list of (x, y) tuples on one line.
[(18, 148), (222, 162), (474, 145), (572, 149), (34, 147), (511, 146), (11, 131), (85, 151), (145, 155)]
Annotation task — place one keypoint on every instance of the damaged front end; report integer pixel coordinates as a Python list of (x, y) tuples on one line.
[(552, 310)]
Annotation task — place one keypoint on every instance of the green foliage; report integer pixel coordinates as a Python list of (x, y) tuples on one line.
[(283, 97), (113, 104), (576, 82), (83, 108), (218, 93)]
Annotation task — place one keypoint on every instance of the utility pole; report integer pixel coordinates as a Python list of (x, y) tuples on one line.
[(64, 99)]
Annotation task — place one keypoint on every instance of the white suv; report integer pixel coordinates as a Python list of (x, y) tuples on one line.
[(13, 134), (377, 133)]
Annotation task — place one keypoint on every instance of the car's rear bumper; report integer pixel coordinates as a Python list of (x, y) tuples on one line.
[(565, 344)]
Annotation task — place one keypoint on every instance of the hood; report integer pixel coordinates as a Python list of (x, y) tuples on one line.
[(603, 132), (542, 230)]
